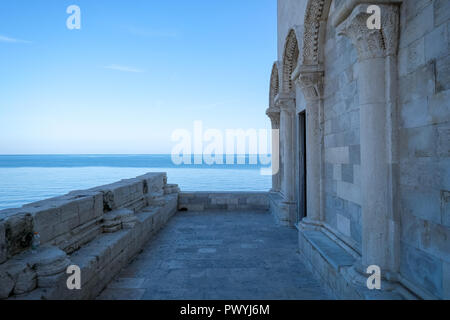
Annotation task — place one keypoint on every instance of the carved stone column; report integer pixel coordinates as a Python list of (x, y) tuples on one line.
[(377, 50), (286, 104), (274, 115), (311, 83)]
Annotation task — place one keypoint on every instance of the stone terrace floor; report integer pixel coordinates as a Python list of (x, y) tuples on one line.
[(218, 255)]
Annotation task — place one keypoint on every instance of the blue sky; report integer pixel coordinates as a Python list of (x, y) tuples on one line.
[(135, 72)]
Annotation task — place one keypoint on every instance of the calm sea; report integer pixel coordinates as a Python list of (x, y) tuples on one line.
[(29, 178)]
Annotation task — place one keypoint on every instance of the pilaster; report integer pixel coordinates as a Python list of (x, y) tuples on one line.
[(376, 52)]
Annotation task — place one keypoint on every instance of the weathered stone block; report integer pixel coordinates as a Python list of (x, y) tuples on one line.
[(120, 194), (355, 230), (414, 113), (422, 269), (443, 74), (436, 43), (357, 175), (402, 64), (347, 173), (50, 281), (3, 245), (154, 182), (200, 199), (329, 171), (18, 232), (420, 142), (413, 8), (68, 211), (26, 281), (349, 191), (422, 203), (355, 154), (330, 217), (417, 26), (352, 135), (446, 280), (438, 107), (117, 242), (441, 11), (6, 284), (443, 148), (420, 172), (194, 207), (445, 207), (416, 54), (258, 200), (435, 239), (46, 217), (330, 186), (89, 204), (331, 141), (419, 83), (87, 264)]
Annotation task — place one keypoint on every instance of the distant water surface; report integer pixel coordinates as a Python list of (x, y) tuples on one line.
[(25, 179)]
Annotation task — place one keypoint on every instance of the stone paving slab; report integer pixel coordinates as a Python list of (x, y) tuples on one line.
[(218, 255)]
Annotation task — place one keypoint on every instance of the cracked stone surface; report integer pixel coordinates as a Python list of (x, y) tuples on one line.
[(218, 255)]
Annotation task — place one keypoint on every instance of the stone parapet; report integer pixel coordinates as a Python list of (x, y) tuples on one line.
[(112, 222)]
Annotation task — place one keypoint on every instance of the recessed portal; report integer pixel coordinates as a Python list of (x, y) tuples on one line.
[(301, 204)]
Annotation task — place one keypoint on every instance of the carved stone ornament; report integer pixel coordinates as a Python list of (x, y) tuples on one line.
[(373, 43)]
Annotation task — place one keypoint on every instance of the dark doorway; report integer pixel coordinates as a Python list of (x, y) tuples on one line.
[(301, 203)]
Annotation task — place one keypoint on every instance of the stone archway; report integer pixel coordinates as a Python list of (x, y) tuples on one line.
[(316, 18), (290, 60), (273, 113), (285, 101), (309, 76), (274, 84)]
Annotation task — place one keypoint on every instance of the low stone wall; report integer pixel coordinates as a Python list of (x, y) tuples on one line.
[(200, 201), (98, 229)]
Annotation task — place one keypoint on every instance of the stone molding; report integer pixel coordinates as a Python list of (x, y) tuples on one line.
[(373, 43)]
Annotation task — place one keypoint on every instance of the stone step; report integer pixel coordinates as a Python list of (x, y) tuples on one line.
[(334, 254)]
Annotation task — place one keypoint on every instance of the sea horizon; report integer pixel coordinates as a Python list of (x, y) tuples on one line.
[(28, 178)]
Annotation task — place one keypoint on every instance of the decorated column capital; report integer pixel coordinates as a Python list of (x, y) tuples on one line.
[(311, 84), (274, 115), (285, 102), (372, 43)]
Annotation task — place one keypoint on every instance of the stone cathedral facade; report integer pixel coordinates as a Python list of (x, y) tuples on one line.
[(363, 117)]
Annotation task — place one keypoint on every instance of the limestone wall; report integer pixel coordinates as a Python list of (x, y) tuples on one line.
[(424, 144), (342, 191), (98, 229), (414, 132)]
